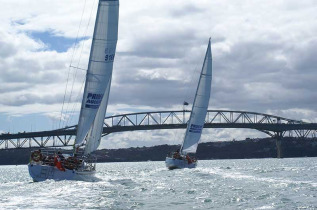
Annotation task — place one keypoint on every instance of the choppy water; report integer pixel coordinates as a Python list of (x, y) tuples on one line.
[(219, 184)]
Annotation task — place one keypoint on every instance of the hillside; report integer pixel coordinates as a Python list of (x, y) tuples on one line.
[(251, 148)]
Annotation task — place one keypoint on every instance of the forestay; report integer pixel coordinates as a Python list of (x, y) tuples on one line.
[(98, 78), (200, 106)]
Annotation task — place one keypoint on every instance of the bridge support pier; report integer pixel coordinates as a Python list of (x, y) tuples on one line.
[(278, 141)]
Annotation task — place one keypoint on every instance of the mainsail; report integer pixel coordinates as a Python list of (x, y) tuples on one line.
[(98, 77), (200, 106)]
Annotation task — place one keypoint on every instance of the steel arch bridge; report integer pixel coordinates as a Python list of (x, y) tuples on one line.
[(274, 126)]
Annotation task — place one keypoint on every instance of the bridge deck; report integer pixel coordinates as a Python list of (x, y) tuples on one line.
[(269, 124)]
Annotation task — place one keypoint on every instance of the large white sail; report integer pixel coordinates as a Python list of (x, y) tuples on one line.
[(94, 135), (98, 78), (200, 106)]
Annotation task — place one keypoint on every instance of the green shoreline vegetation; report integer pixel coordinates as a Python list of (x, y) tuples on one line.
[(244, 149)]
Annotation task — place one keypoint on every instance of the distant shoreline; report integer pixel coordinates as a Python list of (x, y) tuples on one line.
[(245, 149)]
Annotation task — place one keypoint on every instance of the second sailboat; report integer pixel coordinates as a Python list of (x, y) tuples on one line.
[(180, 158)]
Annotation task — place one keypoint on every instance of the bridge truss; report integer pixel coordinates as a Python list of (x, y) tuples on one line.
[(274, 126)]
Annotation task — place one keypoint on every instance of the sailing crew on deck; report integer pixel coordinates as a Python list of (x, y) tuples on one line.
[(188, 159), (58, 163), (43, 157), (60, 155), (177, 155)]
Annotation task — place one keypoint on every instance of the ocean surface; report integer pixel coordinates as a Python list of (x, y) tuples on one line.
[(214, 184)]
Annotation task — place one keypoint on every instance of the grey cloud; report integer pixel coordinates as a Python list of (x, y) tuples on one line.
[(7, 49), (170, 45), (154, 93), (23, 99), (25, 70), (247, 77), (304, 59), (185, 10), (252, 63), (252, 58), (131, 62), (12, 87)]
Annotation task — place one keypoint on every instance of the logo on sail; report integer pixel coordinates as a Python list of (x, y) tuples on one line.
[(195, 128), (93, 100)]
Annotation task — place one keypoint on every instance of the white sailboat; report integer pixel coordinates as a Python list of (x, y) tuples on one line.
[(181, 159), (93, 107)]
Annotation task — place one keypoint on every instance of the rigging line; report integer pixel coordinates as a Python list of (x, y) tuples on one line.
[(74, 50), (191, 82), (81, 52), (66, 110), (78, 68), (76, 104)]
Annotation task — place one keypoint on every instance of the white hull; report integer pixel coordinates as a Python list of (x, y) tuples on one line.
[(40, 173), (172, 163)]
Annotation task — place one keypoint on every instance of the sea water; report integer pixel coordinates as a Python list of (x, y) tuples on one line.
[(214, 184)]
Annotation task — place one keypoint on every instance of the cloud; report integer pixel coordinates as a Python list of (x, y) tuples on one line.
[(56, 116), (305, 115), (173, 137), (6, 49), (142, 138)]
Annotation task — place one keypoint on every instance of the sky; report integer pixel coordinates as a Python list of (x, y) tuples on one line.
[(263, 61)]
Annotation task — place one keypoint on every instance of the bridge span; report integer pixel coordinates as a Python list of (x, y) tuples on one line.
[(274, 126)]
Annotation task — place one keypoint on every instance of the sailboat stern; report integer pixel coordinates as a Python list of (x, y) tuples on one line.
[(172, 163), (40, 172)]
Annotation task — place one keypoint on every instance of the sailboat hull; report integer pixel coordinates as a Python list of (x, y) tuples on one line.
[(40, 173), (172, 163)]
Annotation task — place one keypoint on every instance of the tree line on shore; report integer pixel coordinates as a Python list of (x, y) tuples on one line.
[(244, 149)]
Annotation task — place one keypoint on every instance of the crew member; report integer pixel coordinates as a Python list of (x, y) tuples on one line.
[(188, 159), (176, 154), (58, 164)]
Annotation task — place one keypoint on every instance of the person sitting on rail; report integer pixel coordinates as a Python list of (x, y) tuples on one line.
[(42, 156), (58, 163), (188, 159), (36, 156), (176, 154), (60, 155)]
